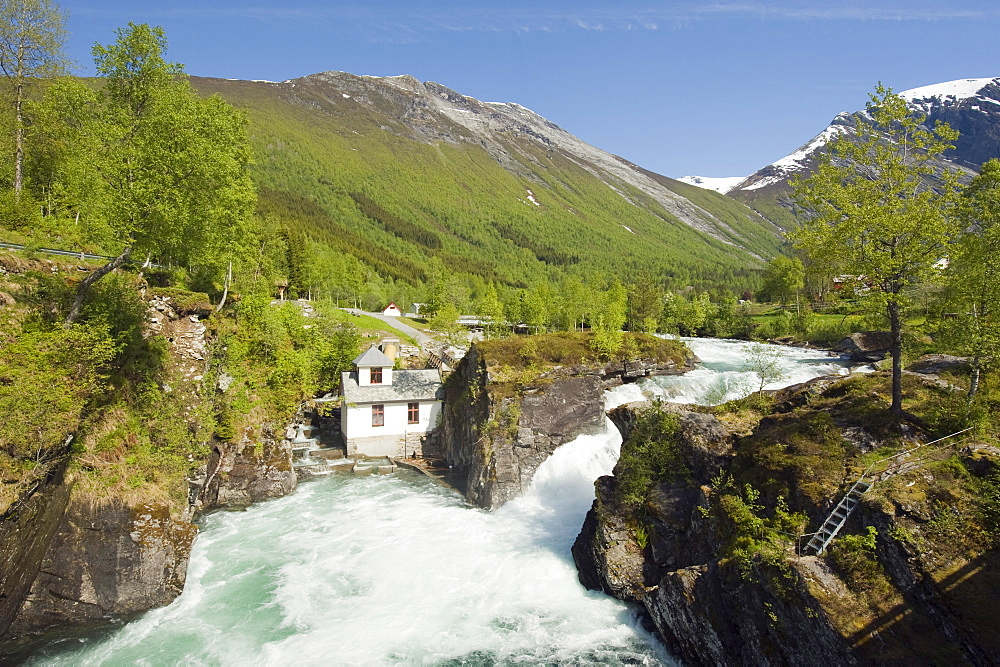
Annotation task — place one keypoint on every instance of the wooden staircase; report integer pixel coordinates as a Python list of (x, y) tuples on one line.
[(838, 517)]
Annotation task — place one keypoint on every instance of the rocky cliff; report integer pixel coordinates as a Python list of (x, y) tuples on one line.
[(75, 551), (506, 410), (699, 523)]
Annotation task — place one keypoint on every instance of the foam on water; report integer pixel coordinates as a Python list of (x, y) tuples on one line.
[(395, 569), (722, 376)]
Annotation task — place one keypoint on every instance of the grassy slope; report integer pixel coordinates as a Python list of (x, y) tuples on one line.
[(766, 202), (749, 230), (452, 202)]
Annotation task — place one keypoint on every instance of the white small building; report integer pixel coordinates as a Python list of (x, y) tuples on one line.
[(388, 412), (392, 309)]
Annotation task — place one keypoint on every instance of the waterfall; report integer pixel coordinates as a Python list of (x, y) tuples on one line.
[(398, 570)]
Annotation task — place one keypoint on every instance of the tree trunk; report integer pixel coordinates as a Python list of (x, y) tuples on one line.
[(18, 139), (225, 290), (973, 380), (896, 351), (81, 289)]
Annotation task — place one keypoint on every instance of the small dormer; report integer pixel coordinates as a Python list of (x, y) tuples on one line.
[(373, 368)]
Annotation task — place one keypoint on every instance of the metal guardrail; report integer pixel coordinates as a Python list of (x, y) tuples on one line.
[(65, 253), (53, 251)]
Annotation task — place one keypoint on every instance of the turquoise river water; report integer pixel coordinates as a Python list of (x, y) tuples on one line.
[(395, 569)]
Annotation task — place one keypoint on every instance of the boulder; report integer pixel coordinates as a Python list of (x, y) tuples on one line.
[(934, 364), (869, 346)]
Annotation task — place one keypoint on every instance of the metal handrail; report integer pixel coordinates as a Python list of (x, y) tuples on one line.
[(912, 449), (869, 470)]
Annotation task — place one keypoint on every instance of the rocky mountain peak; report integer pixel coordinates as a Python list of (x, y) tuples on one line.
[(952, 93), (971, 106), (520, 140)]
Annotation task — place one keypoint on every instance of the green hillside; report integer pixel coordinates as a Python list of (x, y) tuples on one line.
[(353, 178)]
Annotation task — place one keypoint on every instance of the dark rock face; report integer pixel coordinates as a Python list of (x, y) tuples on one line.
[(926, 595), (501, 441), (706, 614), (606, 552), (737, 623), (26, 530), (108, 560), (246, 472), (500, 438)]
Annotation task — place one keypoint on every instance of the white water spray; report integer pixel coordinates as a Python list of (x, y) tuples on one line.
[(397, 570)]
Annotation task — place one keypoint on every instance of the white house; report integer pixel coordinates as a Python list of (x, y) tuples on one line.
[(392, 309), (387, 411)]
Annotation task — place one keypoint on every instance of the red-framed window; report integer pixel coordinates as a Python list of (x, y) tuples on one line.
[(378, 415), (376, 376), (412, 413)]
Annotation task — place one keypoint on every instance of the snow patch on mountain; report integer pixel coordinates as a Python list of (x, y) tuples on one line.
[(779, 170), (960, 89), (721, 184), (794, 160)]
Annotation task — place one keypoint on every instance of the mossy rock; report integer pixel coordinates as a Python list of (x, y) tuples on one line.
[(185, 302)]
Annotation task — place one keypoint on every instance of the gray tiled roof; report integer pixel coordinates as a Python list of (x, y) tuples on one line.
[(372, 357), (418, 385)]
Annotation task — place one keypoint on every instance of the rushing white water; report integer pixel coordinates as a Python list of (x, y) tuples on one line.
[(398, 570), (723, 376)]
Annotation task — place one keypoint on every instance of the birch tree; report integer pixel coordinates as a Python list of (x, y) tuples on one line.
[(32, 34), (881, 207), (974, 275), (168, 173)]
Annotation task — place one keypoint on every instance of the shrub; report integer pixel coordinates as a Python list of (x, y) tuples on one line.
[(651, 454), (185, 302), (854, 557)]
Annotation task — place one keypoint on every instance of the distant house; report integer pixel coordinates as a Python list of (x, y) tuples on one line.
[(392, 309), (386, 411)]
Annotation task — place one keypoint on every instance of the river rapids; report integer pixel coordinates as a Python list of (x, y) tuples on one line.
[(396, 569)]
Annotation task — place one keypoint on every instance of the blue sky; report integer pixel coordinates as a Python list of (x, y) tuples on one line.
[(678, 87)]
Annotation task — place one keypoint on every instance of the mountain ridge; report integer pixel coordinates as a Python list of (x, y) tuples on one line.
[(960, 103), (491, 189)]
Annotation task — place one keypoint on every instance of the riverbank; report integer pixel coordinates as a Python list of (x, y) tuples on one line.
[(706, 519), (317, 574)]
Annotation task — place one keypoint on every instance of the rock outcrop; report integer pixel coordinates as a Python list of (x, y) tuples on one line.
[(26, 529), (500, 431), (865, 346), (68, 559), (108, 560), (935, 364), (248, 471), (691, 554)]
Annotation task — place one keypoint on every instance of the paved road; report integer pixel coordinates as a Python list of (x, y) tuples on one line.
[(394, 322)]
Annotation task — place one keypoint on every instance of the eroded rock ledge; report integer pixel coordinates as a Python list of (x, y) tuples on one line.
[(68, 558), (506, 410), (900, 600)]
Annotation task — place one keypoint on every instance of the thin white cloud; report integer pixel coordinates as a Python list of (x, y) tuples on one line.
[(391, 20)]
